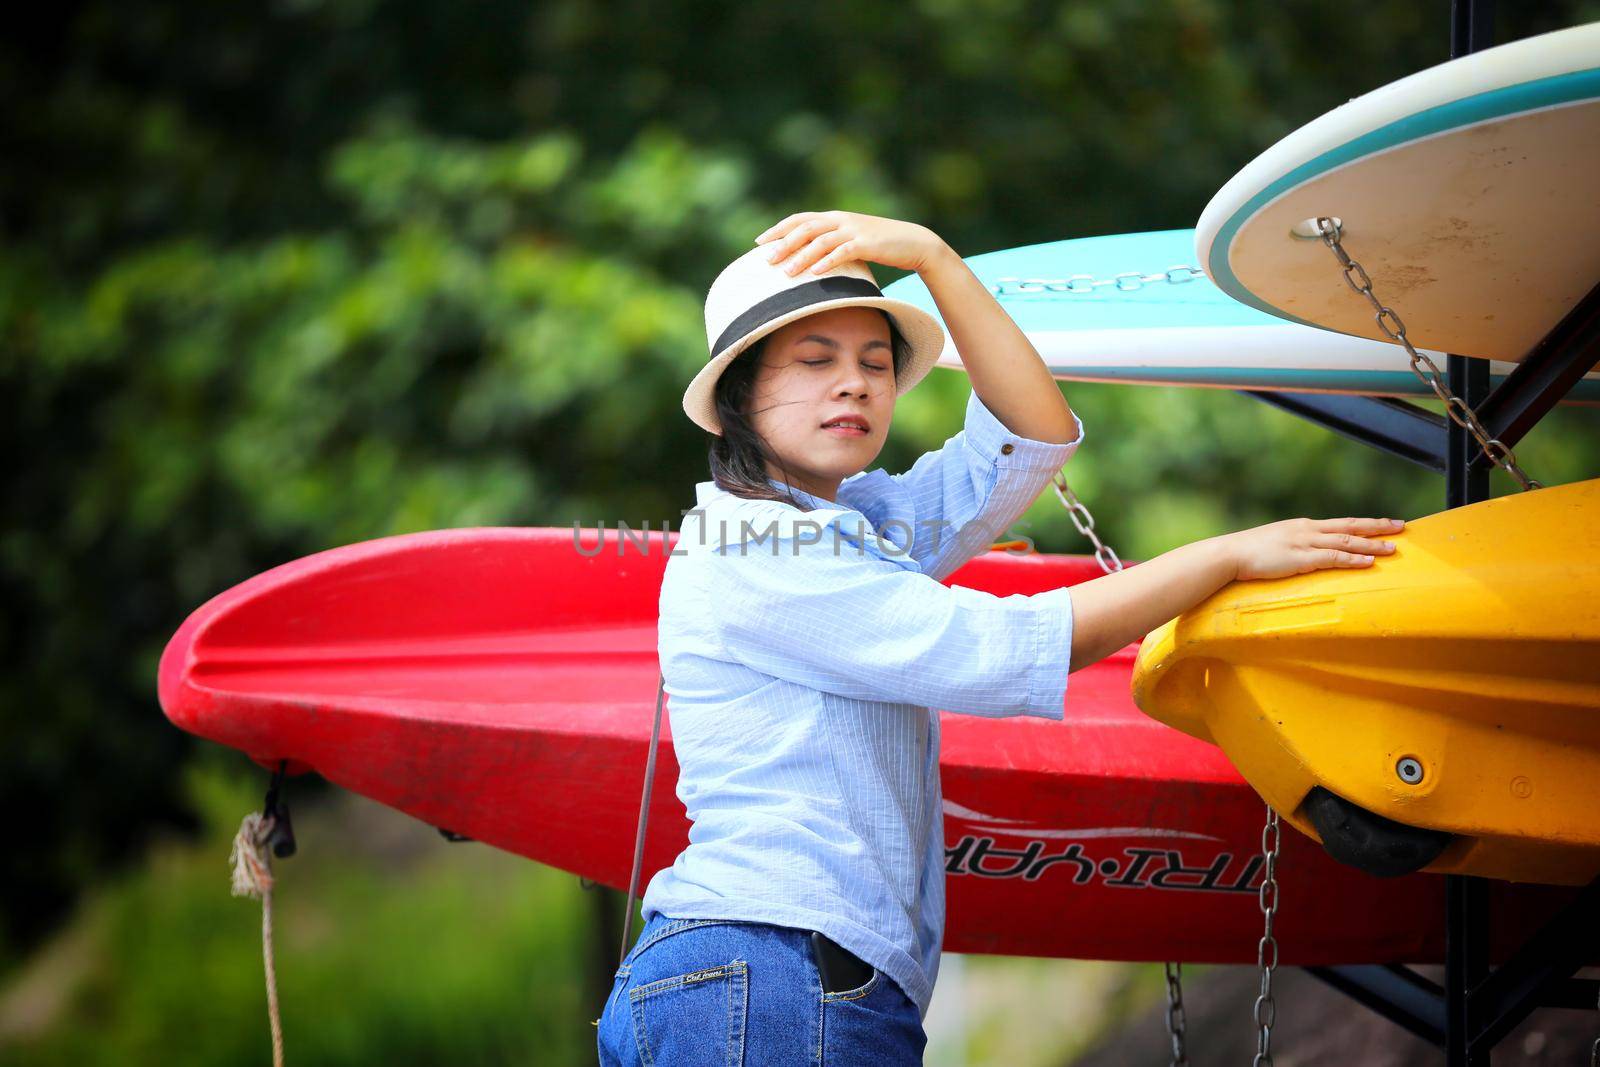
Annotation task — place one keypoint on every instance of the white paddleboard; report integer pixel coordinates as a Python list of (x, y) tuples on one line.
[(1470, 193), (1090, 325)]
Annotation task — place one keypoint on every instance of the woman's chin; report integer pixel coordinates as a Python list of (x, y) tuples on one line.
[(848, 444)]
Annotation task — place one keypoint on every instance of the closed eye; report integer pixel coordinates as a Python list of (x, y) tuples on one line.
[(821, 362)]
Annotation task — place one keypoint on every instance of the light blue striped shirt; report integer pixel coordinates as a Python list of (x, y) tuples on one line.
[(804, 653)]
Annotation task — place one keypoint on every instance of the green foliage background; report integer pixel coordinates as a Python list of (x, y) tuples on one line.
[(280, 277), (389, 949)]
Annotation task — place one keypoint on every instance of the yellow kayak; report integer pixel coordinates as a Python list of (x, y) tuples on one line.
[(1439, 709)]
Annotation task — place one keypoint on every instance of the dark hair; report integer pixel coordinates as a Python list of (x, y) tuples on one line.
[(739, 456)]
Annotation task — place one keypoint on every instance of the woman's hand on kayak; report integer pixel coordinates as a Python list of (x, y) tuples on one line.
[(821, 240), (1116, 608), (1295, 546)]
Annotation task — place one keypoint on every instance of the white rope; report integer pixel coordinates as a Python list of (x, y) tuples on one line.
[(252, 877)]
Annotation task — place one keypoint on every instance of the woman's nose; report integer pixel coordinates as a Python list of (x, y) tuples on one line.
[(852, 379)]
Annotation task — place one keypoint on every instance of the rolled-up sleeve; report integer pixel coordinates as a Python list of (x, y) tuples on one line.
[(826, 616), (968, 492)]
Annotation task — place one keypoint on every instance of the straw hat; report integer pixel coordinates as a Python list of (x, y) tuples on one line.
[(751, 298)]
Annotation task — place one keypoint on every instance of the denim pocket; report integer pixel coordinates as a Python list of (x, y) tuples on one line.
[(874, 1024), (856, 993), (698, 1017)]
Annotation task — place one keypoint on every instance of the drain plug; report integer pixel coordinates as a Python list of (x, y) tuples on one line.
[(1409, 769)]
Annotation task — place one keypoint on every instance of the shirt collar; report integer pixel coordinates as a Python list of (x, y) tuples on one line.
[(869, 494), (705, 492), (872, 495), (808, 500)]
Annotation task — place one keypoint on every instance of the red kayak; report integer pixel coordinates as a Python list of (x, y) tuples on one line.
[(500, 683)]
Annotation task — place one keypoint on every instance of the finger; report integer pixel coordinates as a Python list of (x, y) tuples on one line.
[(780, 227), (817, 247), (1332, 557), (780, 248), (776, 230), (1361, 526), (842, 252), (1352, 543), (783, 248)]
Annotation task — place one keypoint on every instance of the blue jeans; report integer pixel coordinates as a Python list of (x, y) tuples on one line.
[(716, 991)]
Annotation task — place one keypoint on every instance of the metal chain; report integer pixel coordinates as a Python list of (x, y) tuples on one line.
[(1177, 1023), (1127, 282), (1109, 561), (1499, 453), (1266, 1010), (1106, 556)]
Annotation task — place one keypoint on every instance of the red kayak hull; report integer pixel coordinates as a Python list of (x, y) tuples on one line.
[(500, 683)]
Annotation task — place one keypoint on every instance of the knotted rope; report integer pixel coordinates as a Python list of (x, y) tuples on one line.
[(252, 877)]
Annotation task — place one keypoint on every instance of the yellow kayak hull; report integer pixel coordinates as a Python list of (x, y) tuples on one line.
[(1452, 687)]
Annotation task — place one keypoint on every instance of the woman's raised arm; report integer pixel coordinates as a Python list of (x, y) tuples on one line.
[(1007, 372)]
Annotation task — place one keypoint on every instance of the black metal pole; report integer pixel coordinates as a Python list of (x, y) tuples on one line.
[(1466, 965), (1466, 899), (1471, 26)]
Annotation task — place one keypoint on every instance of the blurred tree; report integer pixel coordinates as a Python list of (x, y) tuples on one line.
[(279, 278)]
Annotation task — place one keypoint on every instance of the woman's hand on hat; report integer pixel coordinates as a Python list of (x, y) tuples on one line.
[(818, 241)]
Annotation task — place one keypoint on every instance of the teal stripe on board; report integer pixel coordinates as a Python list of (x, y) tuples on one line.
[(1559, 89)]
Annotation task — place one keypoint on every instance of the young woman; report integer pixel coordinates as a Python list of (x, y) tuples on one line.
[(806, 640)]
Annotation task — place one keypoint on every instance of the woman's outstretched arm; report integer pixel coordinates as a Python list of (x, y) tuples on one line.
[(1115, 609)]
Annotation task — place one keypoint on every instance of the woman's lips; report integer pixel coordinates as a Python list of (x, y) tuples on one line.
[(845, 431)]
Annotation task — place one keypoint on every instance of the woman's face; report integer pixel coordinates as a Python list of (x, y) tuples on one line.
[(813, 372)]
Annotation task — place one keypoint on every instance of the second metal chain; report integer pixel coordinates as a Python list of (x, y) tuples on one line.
[(1266, 1010), (1081, 518), (1355, 276), (1177, 1024), (1106, 556)]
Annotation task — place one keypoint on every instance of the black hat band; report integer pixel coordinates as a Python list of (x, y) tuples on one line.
[(793, 299)]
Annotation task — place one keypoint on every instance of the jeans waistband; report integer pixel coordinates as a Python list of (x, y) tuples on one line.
[(660, 926)]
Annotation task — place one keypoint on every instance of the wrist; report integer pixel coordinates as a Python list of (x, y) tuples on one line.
[(939, 259), (1225, 549)]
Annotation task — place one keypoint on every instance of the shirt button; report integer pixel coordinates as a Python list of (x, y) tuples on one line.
[(1007, 449)]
